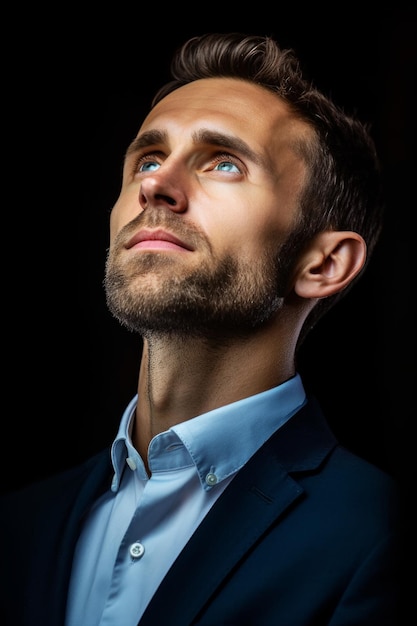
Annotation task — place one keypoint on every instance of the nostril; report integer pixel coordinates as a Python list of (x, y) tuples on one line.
[(149, 199), (166, 199)]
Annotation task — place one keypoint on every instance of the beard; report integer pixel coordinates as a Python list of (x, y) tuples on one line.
[(155, 292)]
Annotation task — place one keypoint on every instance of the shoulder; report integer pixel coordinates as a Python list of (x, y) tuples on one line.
[(58, 489), (334, 478)]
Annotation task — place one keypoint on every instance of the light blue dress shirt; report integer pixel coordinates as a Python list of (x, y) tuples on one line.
[(134, 532)]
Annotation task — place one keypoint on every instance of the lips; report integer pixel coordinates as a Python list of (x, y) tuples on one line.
[(156, 239)]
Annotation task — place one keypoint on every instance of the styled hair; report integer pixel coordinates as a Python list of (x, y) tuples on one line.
[(344, 184)]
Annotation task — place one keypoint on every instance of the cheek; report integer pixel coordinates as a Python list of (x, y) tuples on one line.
[(252, 234), (246, 244), (114, 225), (122, 213)]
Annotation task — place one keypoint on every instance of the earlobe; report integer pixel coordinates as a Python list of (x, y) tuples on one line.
[(330, 263)]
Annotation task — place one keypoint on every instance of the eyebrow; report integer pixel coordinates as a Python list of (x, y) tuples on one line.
[(228, 142), (148, 138), (207, 136)]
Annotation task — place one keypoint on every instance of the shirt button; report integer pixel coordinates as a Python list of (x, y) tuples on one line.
[(211, 479), (136, 550), (131, 463)]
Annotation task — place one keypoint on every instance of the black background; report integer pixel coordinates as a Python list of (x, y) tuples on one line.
[(75, 90)]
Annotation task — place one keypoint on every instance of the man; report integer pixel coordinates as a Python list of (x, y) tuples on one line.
[(249, 204)]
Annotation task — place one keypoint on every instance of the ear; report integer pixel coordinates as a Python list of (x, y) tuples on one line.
[(329, 264)]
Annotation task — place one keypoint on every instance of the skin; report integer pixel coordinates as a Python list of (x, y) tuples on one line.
[(237, 202)]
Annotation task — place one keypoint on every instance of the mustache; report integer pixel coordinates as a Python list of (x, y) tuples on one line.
[(166, 220)]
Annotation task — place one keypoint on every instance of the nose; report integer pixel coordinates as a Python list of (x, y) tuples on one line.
[(157, 191)]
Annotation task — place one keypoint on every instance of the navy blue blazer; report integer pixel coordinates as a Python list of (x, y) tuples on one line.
[(307, 534)]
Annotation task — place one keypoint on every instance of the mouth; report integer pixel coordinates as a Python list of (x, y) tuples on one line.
[(158, 239)]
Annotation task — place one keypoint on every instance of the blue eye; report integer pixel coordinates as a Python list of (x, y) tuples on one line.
[(227, 166), (148, 166)]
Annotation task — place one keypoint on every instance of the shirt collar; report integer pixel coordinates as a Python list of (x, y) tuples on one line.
[(220, 441)]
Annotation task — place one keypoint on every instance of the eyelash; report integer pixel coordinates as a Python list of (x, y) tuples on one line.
[(216, 159), (144, 158), (225, 156)]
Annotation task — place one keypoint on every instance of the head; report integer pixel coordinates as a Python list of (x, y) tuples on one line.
[(329, 156)]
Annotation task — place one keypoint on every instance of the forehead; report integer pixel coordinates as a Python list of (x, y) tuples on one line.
[(230, 105)]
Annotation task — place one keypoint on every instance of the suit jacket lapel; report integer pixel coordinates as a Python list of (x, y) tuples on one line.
[(255, 498)]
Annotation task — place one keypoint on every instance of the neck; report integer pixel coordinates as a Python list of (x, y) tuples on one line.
[(181, 378)]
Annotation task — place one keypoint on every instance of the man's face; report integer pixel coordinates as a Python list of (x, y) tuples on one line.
[(209, 194)]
